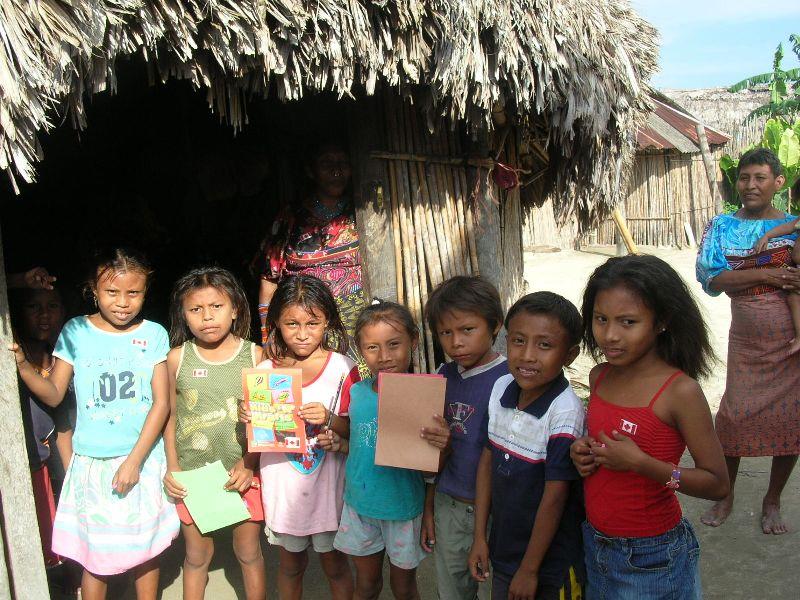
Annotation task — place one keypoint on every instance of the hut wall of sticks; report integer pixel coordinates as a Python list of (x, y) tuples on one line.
[(669, 198), (459, 113)]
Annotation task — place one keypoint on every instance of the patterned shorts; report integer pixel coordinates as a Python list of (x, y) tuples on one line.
[(362, 536)]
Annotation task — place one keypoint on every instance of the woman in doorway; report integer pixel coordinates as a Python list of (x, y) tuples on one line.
[(759, 414), (318, 238)]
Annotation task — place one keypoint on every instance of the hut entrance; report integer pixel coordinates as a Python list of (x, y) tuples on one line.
[(156, 170)]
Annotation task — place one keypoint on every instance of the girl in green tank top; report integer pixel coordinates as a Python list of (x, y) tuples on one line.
[(209, 326)]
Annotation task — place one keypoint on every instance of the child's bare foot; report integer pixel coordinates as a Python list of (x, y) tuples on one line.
[(794, 345), (771, 519), (716, 515)]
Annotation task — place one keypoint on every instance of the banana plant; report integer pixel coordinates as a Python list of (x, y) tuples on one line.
[(783, 85)]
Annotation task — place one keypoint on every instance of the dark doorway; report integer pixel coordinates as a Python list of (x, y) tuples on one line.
[(157, 170)]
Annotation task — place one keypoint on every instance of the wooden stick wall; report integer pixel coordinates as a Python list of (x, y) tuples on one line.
[(665, 192), (432, 222)]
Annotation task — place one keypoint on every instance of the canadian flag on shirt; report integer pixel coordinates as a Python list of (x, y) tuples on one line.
[(142, 343), (628, 427)]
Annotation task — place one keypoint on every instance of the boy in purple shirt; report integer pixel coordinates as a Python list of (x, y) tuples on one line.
[(466, 315)]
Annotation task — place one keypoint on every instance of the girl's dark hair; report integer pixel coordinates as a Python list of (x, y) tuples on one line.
[(468, 294), (197, 279), (384, 311), (684, 343), (558, 307), (116, 260), (313, 295)]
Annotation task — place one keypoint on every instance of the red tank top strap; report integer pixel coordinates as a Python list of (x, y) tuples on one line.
[(600, 377), (660, 391)]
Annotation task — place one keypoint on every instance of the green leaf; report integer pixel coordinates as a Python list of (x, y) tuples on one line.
[(778, 58), (789, 149), (773, 130), (729, 166), (751, 82)]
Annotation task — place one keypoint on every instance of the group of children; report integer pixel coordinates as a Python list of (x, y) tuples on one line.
[(515, 440)]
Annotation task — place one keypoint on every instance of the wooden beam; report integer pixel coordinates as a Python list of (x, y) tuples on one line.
[(711, 172), (487, 230), (622, 227), (372, 203), (455, 161), (23, 551)]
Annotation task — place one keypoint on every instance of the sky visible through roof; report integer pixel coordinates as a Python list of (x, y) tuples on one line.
[(715, 43)]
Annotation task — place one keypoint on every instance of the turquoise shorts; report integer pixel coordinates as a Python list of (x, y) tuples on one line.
[(362, 536)]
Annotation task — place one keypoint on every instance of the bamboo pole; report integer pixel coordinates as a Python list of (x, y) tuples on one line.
[(468, 201), (458, 204), (411, 269), (469, 218), (485, 163), (22, 550), (436, 250), (444, 217), (708, 161), (624, 232), (423, 223), (398, 242), (420, 234)]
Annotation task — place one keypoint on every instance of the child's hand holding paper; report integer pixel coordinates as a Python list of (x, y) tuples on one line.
[(438, 435), (209, 504), (173, 488)]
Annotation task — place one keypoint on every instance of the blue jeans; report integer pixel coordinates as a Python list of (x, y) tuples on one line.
[(662, 567)]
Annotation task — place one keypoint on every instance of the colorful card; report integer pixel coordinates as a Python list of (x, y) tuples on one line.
[(407, 403), (212, 507), (273, 397)]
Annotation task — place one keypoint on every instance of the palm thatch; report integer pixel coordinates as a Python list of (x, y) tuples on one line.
[(579, 65)]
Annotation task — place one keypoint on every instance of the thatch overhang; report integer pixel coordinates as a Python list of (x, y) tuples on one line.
[(578, 66)]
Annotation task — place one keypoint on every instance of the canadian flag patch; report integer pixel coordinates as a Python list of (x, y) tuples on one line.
[(200, 373), (141, 343), (628, 426)]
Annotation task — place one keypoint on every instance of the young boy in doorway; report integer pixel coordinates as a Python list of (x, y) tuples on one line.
[(466, 315), (526, 479)]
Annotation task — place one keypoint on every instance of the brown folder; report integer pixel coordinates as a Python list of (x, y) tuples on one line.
[(406, 404)]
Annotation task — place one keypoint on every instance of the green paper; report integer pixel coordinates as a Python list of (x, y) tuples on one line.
[(211, 506)]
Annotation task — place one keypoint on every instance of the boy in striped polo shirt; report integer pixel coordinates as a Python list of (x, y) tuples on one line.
[(526, 480)]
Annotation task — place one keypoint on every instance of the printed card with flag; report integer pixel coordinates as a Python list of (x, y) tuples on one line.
[(274, 397)]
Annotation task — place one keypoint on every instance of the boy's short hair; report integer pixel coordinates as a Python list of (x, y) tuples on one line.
[(549, 303), (761, 156), (469, 294)]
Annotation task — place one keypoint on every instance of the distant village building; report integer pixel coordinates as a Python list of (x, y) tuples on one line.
[(668, 200)]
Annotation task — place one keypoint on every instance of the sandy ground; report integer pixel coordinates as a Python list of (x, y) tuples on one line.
[(738, 561)]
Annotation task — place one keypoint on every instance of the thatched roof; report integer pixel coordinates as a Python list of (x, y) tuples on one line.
[(581, 65)]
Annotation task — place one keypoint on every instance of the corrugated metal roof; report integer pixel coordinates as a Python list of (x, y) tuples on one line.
[(669, 128)]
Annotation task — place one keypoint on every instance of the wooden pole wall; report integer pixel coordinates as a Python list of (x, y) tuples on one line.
[(438, 221), (372, 202), (666, 192), (24, 566)]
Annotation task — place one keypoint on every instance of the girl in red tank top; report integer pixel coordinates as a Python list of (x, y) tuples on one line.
[(645, 409)]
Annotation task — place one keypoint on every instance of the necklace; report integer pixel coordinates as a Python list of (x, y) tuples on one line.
[(327, 214)]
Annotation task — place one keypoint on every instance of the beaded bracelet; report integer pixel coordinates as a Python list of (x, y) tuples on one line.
[(675, 479)]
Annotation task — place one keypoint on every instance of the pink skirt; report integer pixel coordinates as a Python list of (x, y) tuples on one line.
[(107, 533), (759, 414)]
